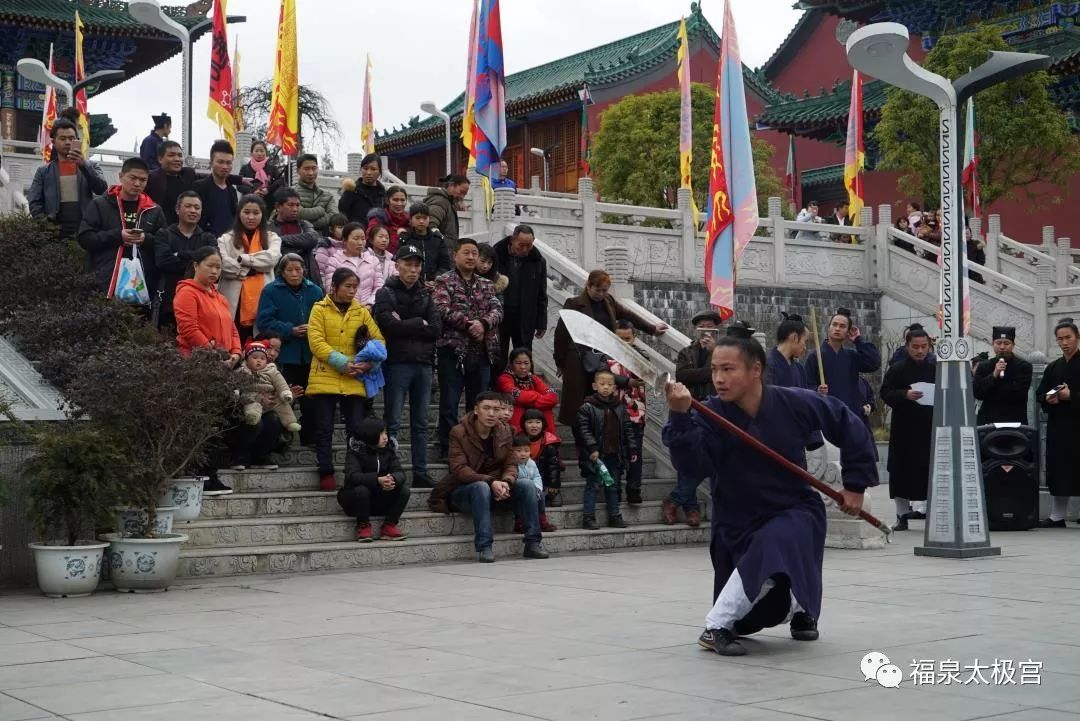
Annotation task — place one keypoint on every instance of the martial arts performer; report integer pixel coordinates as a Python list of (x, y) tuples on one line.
[(768, 526)]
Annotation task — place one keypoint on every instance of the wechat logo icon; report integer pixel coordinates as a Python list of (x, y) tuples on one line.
[(875, 666)]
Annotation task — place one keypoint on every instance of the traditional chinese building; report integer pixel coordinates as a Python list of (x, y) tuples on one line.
[(543, 104), (113, 40), (811, 71)]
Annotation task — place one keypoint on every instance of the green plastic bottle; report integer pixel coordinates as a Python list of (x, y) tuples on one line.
[(605, 475)]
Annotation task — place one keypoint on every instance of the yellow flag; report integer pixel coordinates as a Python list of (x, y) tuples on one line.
[(284, 125), (80, 95)]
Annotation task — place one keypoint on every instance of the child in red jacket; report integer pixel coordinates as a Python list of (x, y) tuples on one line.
[(527, 389)]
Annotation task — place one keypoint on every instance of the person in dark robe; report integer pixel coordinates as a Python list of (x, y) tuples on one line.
[(912, 427), (1062, 423), (1002, 383), (768, 525), (782, 366), (901, 353), (148, 149), (843, 365)]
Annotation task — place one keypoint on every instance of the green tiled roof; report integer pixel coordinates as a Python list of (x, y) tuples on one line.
[(825, 175), (103, 15), (558, 81)]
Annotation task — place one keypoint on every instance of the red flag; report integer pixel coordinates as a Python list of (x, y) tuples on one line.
[(220, 108)]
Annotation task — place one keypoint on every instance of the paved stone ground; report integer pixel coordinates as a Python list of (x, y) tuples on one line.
[(607, 637)]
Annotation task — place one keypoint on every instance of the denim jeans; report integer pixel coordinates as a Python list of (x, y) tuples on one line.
[(592, 481), (322, 407), (475, 500), (452, 381), (684, 494), (633, 470), (412, 380)]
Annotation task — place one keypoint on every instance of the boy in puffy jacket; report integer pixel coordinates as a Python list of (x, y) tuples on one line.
[(603, 433), (269, 382)]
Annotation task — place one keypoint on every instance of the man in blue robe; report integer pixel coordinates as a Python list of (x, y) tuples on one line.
[(843, 365), (768, 525)]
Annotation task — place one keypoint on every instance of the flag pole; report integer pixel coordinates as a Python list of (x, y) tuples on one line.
[(817, 346)]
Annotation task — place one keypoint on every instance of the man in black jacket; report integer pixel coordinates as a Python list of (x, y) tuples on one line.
[(174, 251), (409, 321), (220, 191), (119, 224), (692, 370), (297, 235), (170, 179), (525, 300), (1002, 382)]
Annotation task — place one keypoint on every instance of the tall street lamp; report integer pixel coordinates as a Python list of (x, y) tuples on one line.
[(431, 109), (34, 70), (956, 515), (149, 12), (538, 152)]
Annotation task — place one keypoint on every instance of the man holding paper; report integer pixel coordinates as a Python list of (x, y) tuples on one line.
[(907, 387)]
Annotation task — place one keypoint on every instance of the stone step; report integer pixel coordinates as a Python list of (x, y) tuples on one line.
[(285, 530), (404, 434), (321, 503), (297, 455), (305, 478), (232, 561)]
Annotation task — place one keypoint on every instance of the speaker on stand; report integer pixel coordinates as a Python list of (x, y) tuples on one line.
[(1010, 468)]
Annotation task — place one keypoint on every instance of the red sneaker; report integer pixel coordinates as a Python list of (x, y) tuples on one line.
[(327, 482), (363, 533), (545, 525), (390, 532)]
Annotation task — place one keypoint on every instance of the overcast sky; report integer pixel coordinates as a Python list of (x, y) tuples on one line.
[(418, 48)]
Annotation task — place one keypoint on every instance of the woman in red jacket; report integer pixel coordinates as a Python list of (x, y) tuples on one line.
[(203, 319), (527, 389)]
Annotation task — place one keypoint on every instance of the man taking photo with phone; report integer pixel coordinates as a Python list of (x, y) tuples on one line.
[(63, 188)]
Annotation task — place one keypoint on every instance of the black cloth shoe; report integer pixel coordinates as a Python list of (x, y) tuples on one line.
[(535, 550), (213, 486), (901, 524), (633, 496), (616, 521), (554, 500), (422, 480), (486, 555), (722, 641), (804, 627), (916, 516), (1047, 523), (588, 522)]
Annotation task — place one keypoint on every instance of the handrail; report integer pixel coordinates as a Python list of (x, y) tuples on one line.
[(829, 228), (619, 209), (672, 338), (1027, 249), (969, 264)]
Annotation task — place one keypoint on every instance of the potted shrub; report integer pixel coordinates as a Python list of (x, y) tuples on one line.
[(71, 482), (169, 409)]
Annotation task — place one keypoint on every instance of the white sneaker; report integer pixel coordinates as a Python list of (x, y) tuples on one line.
[(238, 467)]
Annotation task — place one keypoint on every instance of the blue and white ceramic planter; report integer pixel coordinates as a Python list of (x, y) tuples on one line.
[(186, 495), (68, 571), (143, 565), (132, 521)]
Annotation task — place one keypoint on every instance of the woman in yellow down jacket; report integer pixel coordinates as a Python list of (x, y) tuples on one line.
[(332, 331)]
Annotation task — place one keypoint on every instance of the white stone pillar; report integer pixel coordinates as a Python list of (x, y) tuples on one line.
[(242, 151), (352, 164), (776, 221), (1064, 260), (880, 269), (588, 254), (410, 177), (478, 212), (1044, 275), (617, 264), (503, 211), (993, 242), (534, 185)]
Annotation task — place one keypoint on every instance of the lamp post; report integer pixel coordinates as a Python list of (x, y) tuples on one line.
[(956, 515), (35, 71), (431, 109), (538, 152)]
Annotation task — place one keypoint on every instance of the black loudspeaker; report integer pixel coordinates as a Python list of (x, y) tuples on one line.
[(1010, 468)]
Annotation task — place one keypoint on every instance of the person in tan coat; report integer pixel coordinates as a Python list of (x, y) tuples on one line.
[(482, 473), (577, 367)]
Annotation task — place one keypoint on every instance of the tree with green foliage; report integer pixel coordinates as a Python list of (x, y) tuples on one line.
[(635, 153), (1024, 139)]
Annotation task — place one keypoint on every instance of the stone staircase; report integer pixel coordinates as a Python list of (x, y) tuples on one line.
[(278, 521)]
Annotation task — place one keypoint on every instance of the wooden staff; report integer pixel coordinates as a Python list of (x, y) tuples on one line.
[(784, 463), (817, 347)]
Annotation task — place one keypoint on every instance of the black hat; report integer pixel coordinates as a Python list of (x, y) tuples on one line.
[(1004, 331), (408, 251), (740, 329), (707, 315), (160, 121)]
